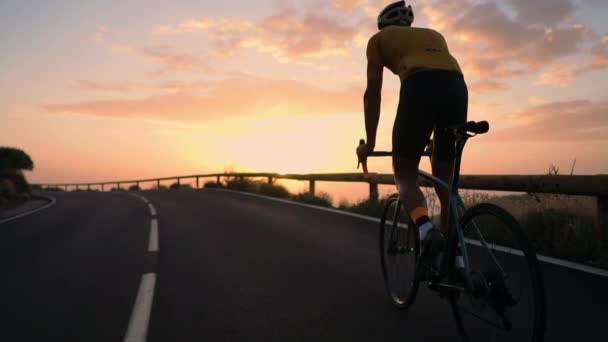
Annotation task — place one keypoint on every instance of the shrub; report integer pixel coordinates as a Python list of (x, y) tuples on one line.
[(178, 186), (117, 189), (241, 184), (17, 178), (562, 234), (13, 158), (273, 190), (36, 187), (52, 188), (7, 189), (212, 184), (369, 207), (322, 199), (134, 188)]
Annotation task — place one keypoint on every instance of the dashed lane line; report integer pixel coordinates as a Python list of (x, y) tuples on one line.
[(152, 209), (153, 242), (140, 317), (137, 330)]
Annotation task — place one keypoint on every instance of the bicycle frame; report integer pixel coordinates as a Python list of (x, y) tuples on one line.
[(455, 203)]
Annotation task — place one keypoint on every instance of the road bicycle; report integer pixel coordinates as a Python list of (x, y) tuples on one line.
[(500, 293)]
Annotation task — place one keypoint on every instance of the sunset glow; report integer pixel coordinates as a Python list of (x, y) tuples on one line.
[(98, 91)]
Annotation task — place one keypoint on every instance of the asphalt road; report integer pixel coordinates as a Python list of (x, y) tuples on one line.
[(230, 267)]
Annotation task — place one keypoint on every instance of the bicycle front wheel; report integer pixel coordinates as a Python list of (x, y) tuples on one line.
[(399, 246), (507, 300)]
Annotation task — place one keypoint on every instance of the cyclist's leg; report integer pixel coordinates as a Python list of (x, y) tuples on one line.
[(413, 126), (406, 179), (443, 170), (452, 109)]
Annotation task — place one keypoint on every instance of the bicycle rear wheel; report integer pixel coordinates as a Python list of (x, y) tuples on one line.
[(507, 302), (399, 246)]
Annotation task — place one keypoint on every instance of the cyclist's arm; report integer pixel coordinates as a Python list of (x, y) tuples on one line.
[(372, 96)]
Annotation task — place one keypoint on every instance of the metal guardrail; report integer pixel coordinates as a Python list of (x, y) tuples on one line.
[(595, 186)]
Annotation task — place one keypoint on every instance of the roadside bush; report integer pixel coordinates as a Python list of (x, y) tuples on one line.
[(212, 184), (36, 187), (322, 199), (134, 188), (7, 189), (370, 207), (562, 234), (241, 184), (273, 190), (14, 158), (180, 186), (51, 188)]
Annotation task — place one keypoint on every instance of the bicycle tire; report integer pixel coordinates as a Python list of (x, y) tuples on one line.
[(496, 288), (394, 247)]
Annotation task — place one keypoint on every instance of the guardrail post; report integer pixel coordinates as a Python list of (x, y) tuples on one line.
[(158, 184), (218, 180), (137, 184), (88, 187), (197, 183), (311, 187), (602, 217), (102, 188), (373, 190), (178, 181), (117, 186), (269, 180)]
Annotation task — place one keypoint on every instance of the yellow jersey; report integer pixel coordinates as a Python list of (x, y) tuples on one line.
[(405, 50)]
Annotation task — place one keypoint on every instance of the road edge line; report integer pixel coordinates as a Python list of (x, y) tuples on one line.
[(52, 202), (546, 259)]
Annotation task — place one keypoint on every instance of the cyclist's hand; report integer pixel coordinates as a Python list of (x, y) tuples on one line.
[(363, 151)]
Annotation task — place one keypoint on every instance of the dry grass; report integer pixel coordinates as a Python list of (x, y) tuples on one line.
[(522, 205)]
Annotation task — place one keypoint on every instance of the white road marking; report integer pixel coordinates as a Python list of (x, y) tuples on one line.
[(140, 317), (153, 244), (543, 258), (50, 204), (152, 209)]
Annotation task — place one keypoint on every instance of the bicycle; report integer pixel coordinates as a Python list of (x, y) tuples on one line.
[(485, 294)]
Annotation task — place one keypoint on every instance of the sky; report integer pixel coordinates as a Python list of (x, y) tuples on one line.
[(104, 90)]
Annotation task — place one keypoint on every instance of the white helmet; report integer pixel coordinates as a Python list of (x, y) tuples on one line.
[(396, 14)]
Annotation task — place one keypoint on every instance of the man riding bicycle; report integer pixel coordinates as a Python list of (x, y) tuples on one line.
[(433, 96)]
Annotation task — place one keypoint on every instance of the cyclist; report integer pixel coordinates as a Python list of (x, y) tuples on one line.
[(433, 96)]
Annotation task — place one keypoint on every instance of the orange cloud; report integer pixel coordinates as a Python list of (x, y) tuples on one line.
[(96, 86), (287, 35), (169, 60), (222, 99), (493, 44), (579, 120)]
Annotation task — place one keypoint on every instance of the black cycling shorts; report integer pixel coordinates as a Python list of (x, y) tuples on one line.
[(430, 101)]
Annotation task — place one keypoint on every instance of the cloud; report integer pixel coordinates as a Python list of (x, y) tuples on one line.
[(579, 120), (488, 86), (288, 35), (96, 86), (349, 5), (547, 12), (170, 61), (101, 32), (224, 99), (560, 75)]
